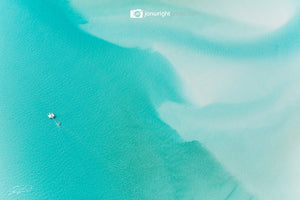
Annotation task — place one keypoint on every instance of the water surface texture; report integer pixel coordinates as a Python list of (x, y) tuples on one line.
[(199, 105)]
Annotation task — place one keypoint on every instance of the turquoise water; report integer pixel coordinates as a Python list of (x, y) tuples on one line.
[(238, 65), (240, 77), (112, 144)]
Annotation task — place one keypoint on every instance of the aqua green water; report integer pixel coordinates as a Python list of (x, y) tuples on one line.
[(112, 144)]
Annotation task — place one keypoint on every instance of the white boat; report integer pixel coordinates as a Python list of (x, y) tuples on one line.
[(51, 116)]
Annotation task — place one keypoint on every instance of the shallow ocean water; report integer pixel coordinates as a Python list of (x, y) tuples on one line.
[(112, 143), (185, 108), (237, 62)]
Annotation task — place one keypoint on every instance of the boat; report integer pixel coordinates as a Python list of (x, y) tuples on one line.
[(51, 116), (57, 123)]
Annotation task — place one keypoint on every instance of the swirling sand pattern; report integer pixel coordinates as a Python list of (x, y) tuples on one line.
[(238, 65), (237, 95)]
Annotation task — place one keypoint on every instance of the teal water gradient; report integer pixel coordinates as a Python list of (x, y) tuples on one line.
[(112, 144), (239, 66)]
